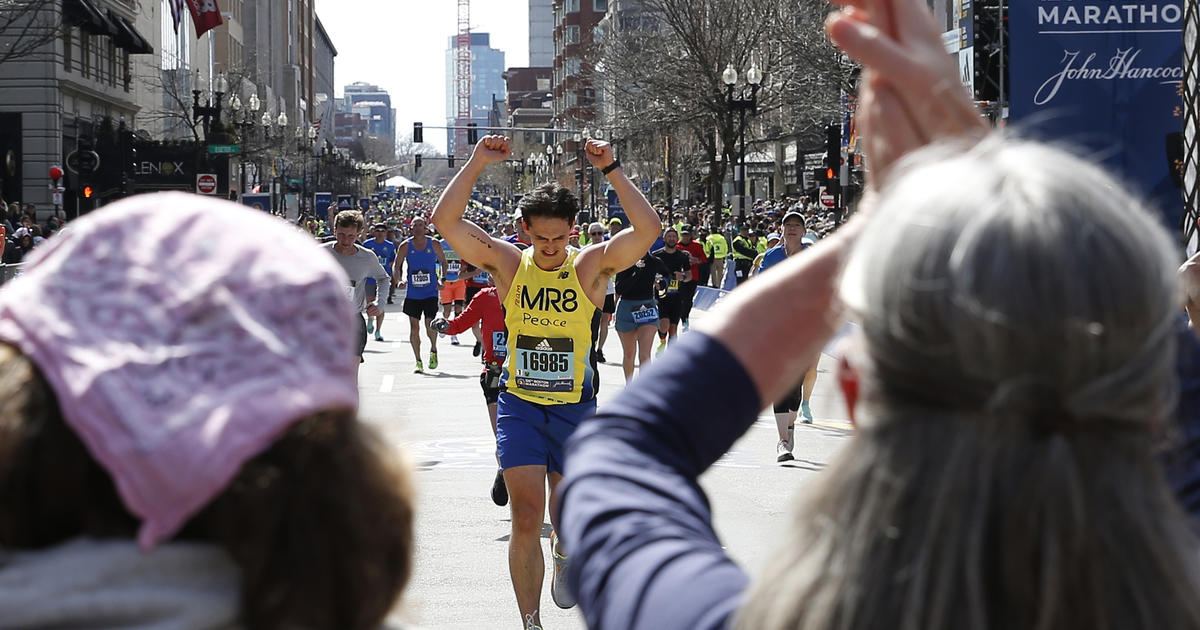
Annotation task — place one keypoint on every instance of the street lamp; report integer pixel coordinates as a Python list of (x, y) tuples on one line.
[(744, 105)]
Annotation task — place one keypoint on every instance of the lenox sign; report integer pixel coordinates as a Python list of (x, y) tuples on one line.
[(1110, 15)]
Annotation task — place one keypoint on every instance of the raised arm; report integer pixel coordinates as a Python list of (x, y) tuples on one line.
[(469, 240), (625, 248), (398, 277)]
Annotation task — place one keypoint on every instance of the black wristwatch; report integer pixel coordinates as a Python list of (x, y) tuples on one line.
[(616, 164)]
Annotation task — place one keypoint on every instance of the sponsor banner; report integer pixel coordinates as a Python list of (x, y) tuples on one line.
[(1103, 75), (321, 203), (258, 201)]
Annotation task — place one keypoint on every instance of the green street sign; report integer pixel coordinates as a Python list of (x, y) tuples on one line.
[(224, 149)]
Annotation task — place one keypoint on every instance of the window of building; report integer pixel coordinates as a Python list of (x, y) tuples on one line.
[(67, 42), (572, 66), (572, 34), (85, 54), (112, 62), (572, 6), (600, 6)]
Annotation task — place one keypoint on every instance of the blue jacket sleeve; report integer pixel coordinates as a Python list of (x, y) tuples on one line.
[(635, 523)]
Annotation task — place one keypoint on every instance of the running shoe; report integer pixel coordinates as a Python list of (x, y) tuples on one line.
[(662, 345), (454, 340), (499, 490), (390, 301), (782, 452), (420, 368), (378, 337), (685, 325), (559, 591), (806, 412), (529, 625), (600, 356), (370, 325), (433, 359), (478, 350)]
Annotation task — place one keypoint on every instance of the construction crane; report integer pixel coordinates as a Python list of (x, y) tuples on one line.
[(462, 77)]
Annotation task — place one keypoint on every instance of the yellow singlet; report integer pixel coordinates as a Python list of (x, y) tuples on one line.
[(552, 327)]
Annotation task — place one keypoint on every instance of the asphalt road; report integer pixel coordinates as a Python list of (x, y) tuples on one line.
[(439, 422)]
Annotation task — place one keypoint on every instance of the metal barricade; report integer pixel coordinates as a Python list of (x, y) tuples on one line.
[(8, 272), (1190, 91)]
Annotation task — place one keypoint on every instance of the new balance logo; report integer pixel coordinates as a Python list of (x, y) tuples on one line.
[(544, 346)]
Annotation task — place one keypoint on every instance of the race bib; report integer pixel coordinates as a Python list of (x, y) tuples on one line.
[(384, 263), (673, 286), (647, 314), (500, 345), (453, 266), (545, 364), (420, 279)]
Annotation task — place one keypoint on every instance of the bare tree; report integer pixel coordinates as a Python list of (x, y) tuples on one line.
[(26, 27), (175, 114), (659, 69)]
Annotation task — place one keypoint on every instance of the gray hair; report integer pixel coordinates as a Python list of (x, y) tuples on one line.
[(1017, 353)]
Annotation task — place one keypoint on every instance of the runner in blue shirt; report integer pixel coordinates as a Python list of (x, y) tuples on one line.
[(385, 250), (794, 230)]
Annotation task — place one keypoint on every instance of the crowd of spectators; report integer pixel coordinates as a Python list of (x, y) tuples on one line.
[(21, 230)]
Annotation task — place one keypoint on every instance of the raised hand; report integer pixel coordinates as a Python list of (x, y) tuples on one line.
[(599, 153), (492, 149), (910, 95)]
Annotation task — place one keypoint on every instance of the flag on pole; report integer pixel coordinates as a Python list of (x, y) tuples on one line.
[(176, 12), (205, 14)]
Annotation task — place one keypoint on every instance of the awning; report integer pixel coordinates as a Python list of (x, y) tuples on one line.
[(400, 181), (128, 37), (84, 14)]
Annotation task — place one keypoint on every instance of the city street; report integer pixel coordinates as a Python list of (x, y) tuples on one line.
[(439, 421)]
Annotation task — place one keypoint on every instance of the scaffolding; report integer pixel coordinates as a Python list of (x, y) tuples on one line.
[(1189, 160), (462, 78)]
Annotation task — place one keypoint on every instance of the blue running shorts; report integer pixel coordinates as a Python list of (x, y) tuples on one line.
[(529, 434)]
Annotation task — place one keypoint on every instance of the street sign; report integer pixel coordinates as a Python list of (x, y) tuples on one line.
[(56, 197), (83, 161), (223, 149), (827, 198), (206, 184)]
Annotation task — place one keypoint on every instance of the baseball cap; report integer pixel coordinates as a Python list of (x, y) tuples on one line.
[(773, 236), (793, 215), (574, 233), (615, 221), (685, 229)]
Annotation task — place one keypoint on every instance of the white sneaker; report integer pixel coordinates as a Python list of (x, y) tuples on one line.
[(558, 583), (529, 625), (782, 452), (454, 340)]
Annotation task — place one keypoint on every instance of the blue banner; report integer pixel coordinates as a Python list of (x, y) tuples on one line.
[(321, 203), (258, 201), (1103, 75)]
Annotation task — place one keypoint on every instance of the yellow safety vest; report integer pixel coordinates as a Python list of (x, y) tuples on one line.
[(552, 326), (720, 246)]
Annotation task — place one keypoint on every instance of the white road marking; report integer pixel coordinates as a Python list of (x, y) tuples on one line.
[(388, 381)]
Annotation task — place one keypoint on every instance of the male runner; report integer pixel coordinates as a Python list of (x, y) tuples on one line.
[(385, 250), (454, 287), (670, 302), (698, 258), (421, 255), (484, 310), (359, 264), (596, 235), (785, 410), (551, 299)]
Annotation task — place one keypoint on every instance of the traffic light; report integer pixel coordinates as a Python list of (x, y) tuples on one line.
[(87, 192), (450, 161), (418, 163), (418, 132), (833, 158), (472, 133)]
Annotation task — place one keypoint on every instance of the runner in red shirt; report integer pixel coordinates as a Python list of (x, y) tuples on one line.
[(687, 290), (486, 311)]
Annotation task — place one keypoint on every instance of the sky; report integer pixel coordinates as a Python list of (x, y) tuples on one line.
[(400, 45)]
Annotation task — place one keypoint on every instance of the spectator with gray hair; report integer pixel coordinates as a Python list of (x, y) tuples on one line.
[(1010, 381)]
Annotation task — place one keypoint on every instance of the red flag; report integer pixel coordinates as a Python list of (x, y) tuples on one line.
[(205, 14)]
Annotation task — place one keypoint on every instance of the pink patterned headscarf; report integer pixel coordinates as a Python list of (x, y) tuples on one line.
[(182, 336)]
